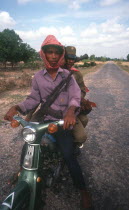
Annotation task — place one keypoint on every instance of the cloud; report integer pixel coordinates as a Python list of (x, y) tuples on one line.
[(69, 40), (90, 31), (109, 2), (109, 34), (96, 39), (111, 26), (67, 1), (72, 4), (35, 37), (37, 34), (88, 38), (103, 12), (24, 1), (66, 31), (6, 21), (56, 18), (44, 31), (58, 1)]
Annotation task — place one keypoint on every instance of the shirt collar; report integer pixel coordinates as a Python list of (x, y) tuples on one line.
[(59, 70)]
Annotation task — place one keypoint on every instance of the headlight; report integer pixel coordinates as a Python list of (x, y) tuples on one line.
[(29, 134)]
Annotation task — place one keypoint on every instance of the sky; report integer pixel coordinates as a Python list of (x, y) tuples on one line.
[(99, 27)]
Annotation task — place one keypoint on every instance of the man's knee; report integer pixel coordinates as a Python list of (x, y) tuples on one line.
[(84, 119), (80, 138), (79, 132)]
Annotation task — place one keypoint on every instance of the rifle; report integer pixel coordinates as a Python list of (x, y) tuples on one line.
[(45, 108), (85, 56)]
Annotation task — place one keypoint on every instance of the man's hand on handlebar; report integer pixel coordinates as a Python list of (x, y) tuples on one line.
[(12, 111), (69, 118)]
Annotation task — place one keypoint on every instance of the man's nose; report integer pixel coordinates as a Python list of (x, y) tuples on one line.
[(54, 55)]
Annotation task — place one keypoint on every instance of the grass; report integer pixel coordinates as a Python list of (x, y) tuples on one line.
[(17, 97), (1, 122), (124, 66), (22, 79), (87, 70), (14, 80), (11, 98)]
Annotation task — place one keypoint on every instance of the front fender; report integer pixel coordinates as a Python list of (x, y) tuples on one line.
[(17, 197)]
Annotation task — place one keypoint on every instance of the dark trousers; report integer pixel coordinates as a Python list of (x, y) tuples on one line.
[(65, 140)]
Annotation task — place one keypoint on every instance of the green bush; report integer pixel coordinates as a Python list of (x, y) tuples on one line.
[(92, 63), (76, 66), (86, 64)]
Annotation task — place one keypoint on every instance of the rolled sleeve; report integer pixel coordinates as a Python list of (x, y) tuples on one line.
[(74, 102)]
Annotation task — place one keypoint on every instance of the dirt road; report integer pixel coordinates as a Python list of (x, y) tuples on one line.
[(105, 156), (106, 153)]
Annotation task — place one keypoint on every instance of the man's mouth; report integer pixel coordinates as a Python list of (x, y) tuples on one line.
[(53, 62)]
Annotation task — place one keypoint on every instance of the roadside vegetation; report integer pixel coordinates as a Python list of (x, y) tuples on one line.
[(20, 76), (90, 69), (123, 65), (11, 80), (13, 50)]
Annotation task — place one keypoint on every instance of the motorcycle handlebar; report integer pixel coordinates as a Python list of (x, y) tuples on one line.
[(17, 120)]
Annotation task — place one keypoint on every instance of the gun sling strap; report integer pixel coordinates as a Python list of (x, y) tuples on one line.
[(45, 108)]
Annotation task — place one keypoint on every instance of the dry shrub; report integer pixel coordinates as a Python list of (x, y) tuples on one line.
[(125, 63), (24, 80), (119, 62), (100, 62), (6, 84), (17, 81)]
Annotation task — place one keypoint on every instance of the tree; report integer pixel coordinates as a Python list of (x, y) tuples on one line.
[(82, 57), (92, 57), (2, 50), (9, 45), (128, 57), (103, 58), (27, 52), (13, 49)]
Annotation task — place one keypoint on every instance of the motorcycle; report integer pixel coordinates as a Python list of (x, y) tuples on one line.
[(41, 159)]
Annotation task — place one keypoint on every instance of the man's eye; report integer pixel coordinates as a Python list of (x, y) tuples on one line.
[(58, 53), (49, 52), (52, 52)]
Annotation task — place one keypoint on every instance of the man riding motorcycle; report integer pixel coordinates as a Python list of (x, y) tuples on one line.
[(68, 102)]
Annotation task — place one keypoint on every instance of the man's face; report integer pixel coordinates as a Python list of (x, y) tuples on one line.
[(52, 55), (70, 62)]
